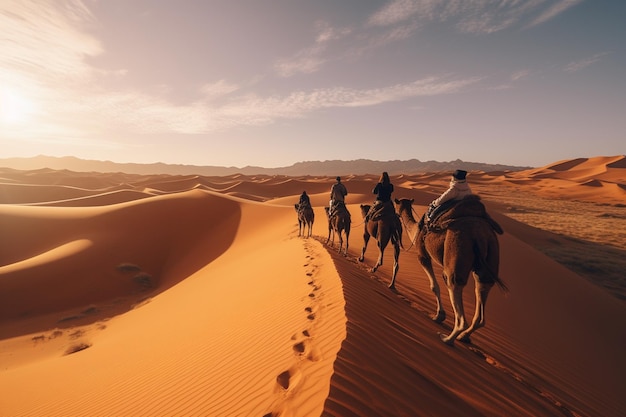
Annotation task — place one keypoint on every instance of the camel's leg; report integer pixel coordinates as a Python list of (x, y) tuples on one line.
[(456, 298), (340, 240), (347, 238), (396, 265), (345, 249), (379, 262), (383, 240), (440, 314), (482, 291), (366, 239)]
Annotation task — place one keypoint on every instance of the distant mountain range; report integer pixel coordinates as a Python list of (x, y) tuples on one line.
[(314, 168)]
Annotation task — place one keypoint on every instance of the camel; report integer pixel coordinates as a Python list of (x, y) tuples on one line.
[(306, 217), (461, 240), (384, 227), (339, 223)]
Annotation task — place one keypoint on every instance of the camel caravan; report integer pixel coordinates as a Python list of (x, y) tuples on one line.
[(455, 232)]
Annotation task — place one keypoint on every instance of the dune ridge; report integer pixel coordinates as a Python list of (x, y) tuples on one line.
[(191, 295)]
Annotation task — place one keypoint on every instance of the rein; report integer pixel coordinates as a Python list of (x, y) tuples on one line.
[(357, 225), (407, 231)]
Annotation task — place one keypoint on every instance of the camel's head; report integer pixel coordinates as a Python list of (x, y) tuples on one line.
[(365, 208), (327, 210), (297, 206), (405, 205)]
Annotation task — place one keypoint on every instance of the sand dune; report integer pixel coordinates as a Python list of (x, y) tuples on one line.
[(187, 295), (606, 173)]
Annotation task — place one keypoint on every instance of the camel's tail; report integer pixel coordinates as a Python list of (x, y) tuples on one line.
[(491, 274), (494, 224)]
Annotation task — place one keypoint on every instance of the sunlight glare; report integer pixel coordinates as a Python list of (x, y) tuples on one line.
[(15, 108)]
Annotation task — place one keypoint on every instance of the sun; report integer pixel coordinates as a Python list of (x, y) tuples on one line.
[(15, 108)]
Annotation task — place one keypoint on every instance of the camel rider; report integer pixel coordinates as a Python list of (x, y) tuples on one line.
[(383, 190), (458, 189), (305, 201), (338, 193)]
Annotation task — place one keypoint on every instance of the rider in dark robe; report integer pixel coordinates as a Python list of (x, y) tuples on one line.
[(305, 201), (383, 191)]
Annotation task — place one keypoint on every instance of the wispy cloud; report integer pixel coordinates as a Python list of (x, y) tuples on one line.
[(327, 33), (145, 114), (305, 61), (311, 59), (518, 75), (471, 16), (44, 44), (218, 89), (399, 11), (401, 19), (43, 50), (584, 63), (512, 79), (257, 110), (394, 34), (553, 11), (42, 38)]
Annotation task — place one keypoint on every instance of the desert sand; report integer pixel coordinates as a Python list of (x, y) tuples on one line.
[(128, 295)]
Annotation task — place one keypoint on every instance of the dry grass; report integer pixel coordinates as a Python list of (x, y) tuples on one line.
[(594, 244)]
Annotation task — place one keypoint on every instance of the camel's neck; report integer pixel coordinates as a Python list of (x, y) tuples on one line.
[(410, 224)]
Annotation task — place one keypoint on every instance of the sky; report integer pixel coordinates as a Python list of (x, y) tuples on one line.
[(273, 82)]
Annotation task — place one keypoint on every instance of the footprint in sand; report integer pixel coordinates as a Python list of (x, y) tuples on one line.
[(299, 348), (302, 342), (303, 345), (289, 379), (310, 313), (77, 348), (305, 349)]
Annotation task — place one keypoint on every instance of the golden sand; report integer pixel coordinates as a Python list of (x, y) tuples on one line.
[(126, 295)]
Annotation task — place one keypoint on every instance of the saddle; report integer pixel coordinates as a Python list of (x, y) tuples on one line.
[(301, 208), (338, 207), (434, 213), (449, 212), (380, 209)]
